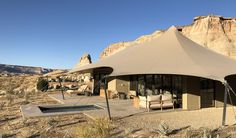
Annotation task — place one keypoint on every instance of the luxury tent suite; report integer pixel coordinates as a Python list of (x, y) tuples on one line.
[(194, 77)]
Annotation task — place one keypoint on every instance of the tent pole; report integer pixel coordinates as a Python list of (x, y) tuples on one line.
[(61, 88), (108, 108), (225, 104), (92, 85)]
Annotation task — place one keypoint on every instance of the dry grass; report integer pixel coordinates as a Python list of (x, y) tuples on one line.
[(17, 85), (13, 125), (99, 128)]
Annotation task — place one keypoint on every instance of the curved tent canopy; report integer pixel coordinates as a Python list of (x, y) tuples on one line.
[(171, 53)]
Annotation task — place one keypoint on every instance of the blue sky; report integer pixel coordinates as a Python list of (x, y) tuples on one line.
[(56, 33)]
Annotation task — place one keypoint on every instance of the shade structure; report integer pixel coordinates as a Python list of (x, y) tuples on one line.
[(171, 53)]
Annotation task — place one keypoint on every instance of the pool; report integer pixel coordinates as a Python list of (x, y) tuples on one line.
[(64, 108)]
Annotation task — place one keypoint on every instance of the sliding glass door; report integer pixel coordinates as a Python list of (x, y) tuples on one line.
[(157, 84)]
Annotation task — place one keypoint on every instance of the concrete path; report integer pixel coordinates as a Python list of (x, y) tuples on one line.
[(118, 108)]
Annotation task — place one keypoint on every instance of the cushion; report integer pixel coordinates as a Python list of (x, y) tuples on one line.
[(167, 105), (169, 101), (154, 98), (156, 102), (167, 92), (153, 106), (166, 97)]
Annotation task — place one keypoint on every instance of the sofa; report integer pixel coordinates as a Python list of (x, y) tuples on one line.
[(156, 101)]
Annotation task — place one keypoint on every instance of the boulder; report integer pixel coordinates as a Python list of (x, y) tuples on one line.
[(84, 60), (2, 93)]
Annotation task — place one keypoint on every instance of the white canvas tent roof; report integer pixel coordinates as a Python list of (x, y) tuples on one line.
[(171, 53)]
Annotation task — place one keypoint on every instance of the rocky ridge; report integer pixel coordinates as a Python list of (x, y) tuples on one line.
[(84, 60), (15, 69), (214, 32)]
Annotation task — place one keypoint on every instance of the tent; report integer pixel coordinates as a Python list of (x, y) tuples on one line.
[(171, 53)]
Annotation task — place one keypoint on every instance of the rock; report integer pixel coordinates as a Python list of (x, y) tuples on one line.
[(214, 32), (70, 91), (2, 93), (84, 60)]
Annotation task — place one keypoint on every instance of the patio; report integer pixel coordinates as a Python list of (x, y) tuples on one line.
[(118, 108), (135, 118)]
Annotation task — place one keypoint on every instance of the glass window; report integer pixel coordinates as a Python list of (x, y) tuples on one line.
[(149, 85), (177, 87), (141, 85), (167, 82), (158, 82), (207, 84), (177, 83), (133, 83)]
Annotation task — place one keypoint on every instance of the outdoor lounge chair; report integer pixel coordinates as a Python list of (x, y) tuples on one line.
[(81, 90), (156, 101), (151, 102), (167, 101)]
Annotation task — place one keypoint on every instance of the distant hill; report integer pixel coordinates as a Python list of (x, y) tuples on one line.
[(16, 69)]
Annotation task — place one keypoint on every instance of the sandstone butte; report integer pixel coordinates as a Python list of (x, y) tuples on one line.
[(84, 60), (214, 32)]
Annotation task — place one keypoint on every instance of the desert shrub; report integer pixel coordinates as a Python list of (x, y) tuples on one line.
[(201, 132), (10, 99), (26, 98), (42, 85), (52, 122), (99, 128), (65, 88), (2, 104), (164, 129), (207, 133)]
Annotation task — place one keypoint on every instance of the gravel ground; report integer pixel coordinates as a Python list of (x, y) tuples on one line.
[(209, 118)]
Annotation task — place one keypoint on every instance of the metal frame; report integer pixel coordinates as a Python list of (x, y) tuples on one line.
[(107, 102), (225, 102)]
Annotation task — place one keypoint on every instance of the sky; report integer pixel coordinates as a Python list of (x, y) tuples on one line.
[(56, 33)]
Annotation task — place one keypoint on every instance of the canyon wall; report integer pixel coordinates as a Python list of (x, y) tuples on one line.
[(214, 32)]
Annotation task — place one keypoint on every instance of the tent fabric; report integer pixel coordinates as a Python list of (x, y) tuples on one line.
[(170, 53)]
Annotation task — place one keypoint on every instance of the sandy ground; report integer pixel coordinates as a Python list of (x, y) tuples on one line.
[(209, 117), (138, 125)]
